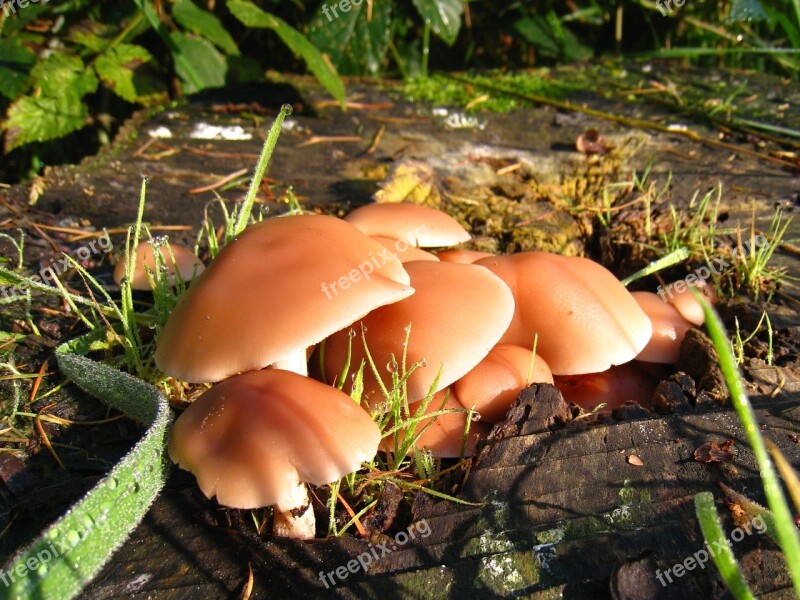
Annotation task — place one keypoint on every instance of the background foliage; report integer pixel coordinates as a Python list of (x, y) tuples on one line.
[(72, 71)]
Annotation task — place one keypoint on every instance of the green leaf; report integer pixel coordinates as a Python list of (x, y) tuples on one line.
[(66, 556), (747, 11), (118, 69), (32, 119), (723, 556), (90, 34), (252, 16), (536, 31), (355, 45), (63, 73), (15, 63), (444, 17), (204, 24), (197, 63)]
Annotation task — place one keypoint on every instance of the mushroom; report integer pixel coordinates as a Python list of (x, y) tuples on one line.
[(669, 329), (284, 284), (462, 256), (253, 440), (456, 315), (185, 264), (416, 224), (404, 251), (614, 387), (494, 383), (585, 318), (681, 297)]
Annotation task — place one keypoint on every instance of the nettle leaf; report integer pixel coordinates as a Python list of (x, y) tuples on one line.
[(204, 24), (444, 17), (118, 69), (252, 16), (60, 73), (36, 119), (197, 63), (15, 63), (354, 44)]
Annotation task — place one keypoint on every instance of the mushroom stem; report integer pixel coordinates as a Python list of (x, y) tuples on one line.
[(297, 523), (296, 362)]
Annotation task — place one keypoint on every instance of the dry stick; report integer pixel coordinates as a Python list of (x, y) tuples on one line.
[(628, 121)]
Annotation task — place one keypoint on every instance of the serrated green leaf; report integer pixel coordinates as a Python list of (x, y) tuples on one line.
[(118, 69), (32, 119), (197, 63), (252, 16), (356, 46), (15, 63), (63, 73), (444, 17), (204, 24)]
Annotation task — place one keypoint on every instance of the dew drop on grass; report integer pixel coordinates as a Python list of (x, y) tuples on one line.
[(476, 416), (133, 488), (73, 537), (391, 366), (363, 328), (112, 483), (287, 108), (352, 333), (423, 363)]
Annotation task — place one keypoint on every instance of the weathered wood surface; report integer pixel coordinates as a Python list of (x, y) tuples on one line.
[(564, 510)]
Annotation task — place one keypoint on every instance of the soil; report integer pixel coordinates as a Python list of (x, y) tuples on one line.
[(561, 504)]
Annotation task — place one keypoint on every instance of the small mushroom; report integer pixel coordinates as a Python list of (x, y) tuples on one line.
[(254, 439), (416, 224), (494, 383), (443, 435), (585, 319), (669, 329), (614, 387), (185, 264), (679, 295)]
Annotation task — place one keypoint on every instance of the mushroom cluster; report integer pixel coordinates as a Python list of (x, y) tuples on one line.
[(466, 321)]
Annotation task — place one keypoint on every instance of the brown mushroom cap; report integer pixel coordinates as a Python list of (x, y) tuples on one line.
[(253, 439), (456, 315), (495, 382), (186, 264), (685, 303), (585, 318), (614, 387), (466, 257), (404, 251), (281, 286), (669, 329), (418, 225)]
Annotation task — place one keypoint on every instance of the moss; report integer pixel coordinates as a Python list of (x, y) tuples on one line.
[(444, 91), (508, 574)]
